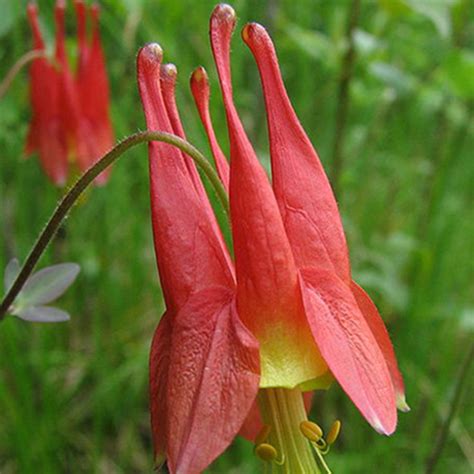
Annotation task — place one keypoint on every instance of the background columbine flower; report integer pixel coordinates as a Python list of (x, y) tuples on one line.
[(93, 86), (295, 301), (70, 112), (46, 135)]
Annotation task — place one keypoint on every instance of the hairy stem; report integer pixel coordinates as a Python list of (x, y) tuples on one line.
[(85, 180)]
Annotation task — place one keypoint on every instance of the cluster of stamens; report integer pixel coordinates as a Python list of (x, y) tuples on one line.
[(311, 431)]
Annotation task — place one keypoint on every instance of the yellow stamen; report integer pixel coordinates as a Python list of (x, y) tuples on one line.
[(333, 432), (311, 431), (266, 452)]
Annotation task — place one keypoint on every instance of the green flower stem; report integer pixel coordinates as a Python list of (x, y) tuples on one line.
[(17, 67), (85, 180), (283, 410)]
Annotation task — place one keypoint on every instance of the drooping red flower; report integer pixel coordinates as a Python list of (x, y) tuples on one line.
[(93, 88), (45, 135), (301, 319), (73, 127), (70, 115)]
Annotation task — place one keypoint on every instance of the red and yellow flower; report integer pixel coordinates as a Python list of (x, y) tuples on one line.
[(236, 349)]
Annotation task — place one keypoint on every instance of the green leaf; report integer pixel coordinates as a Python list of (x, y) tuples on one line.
[(42, 314), (11, 272), (48, 284)]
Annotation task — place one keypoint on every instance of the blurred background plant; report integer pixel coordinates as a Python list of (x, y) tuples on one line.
[(385, 90)]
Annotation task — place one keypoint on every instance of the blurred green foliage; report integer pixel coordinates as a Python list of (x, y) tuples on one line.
[(73, 397)]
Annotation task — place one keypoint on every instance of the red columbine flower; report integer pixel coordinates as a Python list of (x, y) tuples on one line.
[(70, 119), (46, 132), (93, 87), (292, 289)]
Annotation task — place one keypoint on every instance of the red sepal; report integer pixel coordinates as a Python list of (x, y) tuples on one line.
[(168, 77), (200, 89), (190, 253), (349, 347), (158, 374), (93, 91), (46, 134), (210, 367), (72, 122), (377, 326), (264, 264), (82, 42), (267, 288), (306, 201)]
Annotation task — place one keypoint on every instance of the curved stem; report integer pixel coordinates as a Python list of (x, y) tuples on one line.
[(17, 67), (81, 184)]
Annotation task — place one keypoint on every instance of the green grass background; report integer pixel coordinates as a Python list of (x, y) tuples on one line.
[(73, 397)]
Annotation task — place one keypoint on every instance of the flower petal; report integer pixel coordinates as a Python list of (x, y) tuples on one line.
[(213, 380), (267, 286), (349, 347), (200, 90), (93, 90), (168, 76), (377, 326), (71, 126), (306, 201), (253, 423), (83, 46), (191, 254), (45, 135), (159, 365)]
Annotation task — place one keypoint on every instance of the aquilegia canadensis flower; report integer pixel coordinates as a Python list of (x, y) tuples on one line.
[(70, 122), (241, 341)]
